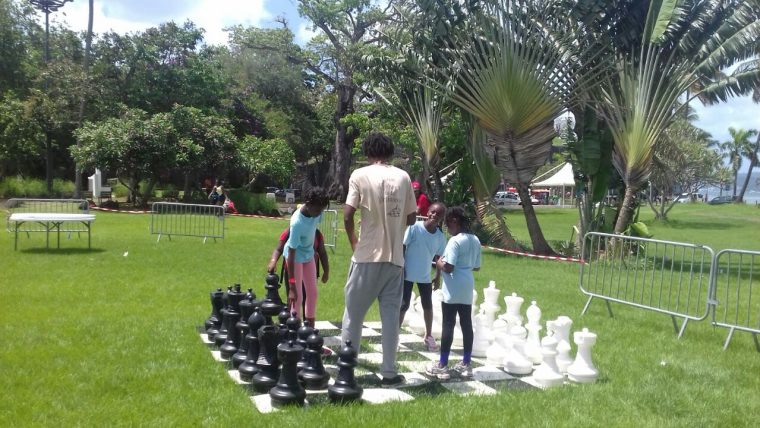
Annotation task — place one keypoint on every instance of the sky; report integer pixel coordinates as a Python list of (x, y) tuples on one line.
[(123, 16)]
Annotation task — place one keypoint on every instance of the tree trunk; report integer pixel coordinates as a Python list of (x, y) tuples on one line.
[(626, 210), (344, 141), (49, 162), (147, 192), (540, 246), (86, 66), (752, 165), (186, 191)]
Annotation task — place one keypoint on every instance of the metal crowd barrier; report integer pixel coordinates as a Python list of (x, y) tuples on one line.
[(171, 218), (736, 292), (46, 206), (668, 277), (329, 228)]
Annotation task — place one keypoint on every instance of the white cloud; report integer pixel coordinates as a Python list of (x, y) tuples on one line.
[(304, 33), (211, 15)]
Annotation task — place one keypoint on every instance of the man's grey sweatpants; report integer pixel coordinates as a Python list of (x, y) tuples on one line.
[(367, 282)]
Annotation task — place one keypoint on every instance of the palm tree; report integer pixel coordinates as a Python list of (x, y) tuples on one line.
[(682, 43), (751, 152), (735, 149), (514, 76)]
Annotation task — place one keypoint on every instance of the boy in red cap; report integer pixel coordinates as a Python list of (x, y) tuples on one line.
[(423, 203)]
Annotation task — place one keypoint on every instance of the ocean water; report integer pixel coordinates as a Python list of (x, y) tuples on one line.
[(751, 196)]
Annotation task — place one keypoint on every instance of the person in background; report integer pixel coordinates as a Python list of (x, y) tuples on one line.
[(459, 260), (423, 203)]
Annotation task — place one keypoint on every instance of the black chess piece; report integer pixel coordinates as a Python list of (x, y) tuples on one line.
[(246, 309), (345, 389), (293, 323), (272, 304), (283, 319), (221, 336), (288, 390), (267, 365), (214, 321), (248, 368), (314, 376), (302, 335), (230, 346)]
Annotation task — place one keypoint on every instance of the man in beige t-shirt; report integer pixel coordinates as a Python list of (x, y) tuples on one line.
[(383, 194)]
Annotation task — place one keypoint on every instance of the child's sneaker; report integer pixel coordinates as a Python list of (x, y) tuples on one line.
[(430, 344), (464, 370), (439, 371)]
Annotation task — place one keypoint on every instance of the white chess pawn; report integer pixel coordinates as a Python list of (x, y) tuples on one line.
[(480, 342), (582, 370), (547, 374), (561, 332), (515, 361)]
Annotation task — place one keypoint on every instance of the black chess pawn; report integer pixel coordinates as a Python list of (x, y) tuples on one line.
[(293, 323), (248, 368), (302, 335), (221, 336), (246, 309), (214, 320), (288, 390), (267, 365), (272, 303), (283, 319), (314, 376), (230, 346), (345, 389)]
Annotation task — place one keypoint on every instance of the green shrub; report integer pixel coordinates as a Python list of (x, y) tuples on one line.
[(35, 188), (63, 188), (14, 187), (253, 203), (119, 190), (169, 191)]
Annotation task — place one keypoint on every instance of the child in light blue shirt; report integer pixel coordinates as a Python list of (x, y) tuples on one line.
[(459, 260)]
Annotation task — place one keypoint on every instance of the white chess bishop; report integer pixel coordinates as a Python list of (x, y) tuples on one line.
[(547, 374), (533, 343), (582, 370)]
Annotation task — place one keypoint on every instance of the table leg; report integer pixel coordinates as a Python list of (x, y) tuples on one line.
[(47, 235)]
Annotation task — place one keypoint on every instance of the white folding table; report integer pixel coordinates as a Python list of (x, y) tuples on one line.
[(50, 221)]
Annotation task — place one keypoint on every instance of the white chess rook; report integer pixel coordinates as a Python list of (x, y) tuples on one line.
[(582, 370)]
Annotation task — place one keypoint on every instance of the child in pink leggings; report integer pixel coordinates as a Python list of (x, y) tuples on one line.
[(300, 253)]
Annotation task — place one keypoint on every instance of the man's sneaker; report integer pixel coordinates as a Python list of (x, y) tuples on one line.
[(393, 381), (464, 370), (327, 352), (430, 344), (439, 371)]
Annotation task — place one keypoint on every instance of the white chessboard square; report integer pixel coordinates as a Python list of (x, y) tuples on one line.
[(414, 378), (378, 347), (218, 356), (263, 403), (332, 341), (235, 375), (409, 338), (204, 339), (325, 325), (414, 366), (378, 325), (530, 380), (487, 373), (384, 395), (472, 387), (368, 332), (372, 357)]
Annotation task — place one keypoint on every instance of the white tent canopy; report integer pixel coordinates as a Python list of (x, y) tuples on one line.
[(561, 178)]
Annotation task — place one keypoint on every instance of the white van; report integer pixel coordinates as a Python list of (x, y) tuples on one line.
[(506, 198)]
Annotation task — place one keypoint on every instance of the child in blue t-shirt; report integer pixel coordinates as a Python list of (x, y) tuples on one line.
[(299, 251), (459, 260), (423, 244)]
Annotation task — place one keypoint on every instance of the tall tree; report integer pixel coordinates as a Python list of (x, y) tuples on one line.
[(82, 103), (735, 149)]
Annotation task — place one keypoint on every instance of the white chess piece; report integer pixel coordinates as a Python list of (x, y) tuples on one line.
[(582, 370), (547, 374), (515, 362), (496, 352), (437, 298), (561, 331), (480, 342), (512, 313)]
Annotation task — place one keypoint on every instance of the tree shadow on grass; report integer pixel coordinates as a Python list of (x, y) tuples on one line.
[(61, 251), (700, 224)]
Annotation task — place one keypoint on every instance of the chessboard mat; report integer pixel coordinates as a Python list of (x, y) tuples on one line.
[(412, 359)]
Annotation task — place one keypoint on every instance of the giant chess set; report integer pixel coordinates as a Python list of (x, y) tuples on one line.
[(289, 363)]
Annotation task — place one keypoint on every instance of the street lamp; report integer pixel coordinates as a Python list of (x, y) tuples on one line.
[(47, 6)]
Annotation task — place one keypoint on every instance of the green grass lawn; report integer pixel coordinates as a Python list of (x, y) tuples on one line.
[(108, 336)]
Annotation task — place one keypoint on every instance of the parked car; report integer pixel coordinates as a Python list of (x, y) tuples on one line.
[(506, 198), (683, 198), (719, 200), (272, 190)]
